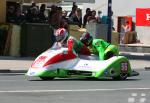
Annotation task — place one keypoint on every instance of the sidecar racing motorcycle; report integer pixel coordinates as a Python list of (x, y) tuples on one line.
[(57, 62)]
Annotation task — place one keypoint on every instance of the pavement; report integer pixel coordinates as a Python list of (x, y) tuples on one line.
[(9, 64), (138, 54), (136, 48)]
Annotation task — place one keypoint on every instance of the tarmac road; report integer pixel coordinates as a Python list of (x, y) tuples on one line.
[(16, 88)]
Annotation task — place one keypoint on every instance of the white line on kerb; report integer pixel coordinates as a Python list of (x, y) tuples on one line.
[(77, 90)]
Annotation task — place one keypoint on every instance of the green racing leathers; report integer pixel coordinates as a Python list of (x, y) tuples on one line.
[(103, 49)]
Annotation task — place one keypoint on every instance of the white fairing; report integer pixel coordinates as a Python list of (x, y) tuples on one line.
[(47, 55), (84, 63)]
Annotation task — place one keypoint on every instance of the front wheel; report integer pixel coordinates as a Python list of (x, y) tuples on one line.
[(47, 78), (122, 76)]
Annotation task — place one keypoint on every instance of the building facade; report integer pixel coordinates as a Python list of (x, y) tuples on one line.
[(123, 8)]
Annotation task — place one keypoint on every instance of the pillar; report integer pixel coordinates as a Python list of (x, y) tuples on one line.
[(2, 11)]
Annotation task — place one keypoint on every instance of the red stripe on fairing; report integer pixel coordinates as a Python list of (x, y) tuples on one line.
[(37, 62), (60, 57)]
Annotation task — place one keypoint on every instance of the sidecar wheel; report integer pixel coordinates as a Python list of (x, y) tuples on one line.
[(47, 78), (122, 76)]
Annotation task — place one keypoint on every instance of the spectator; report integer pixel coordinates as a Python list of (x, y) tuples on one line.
[(74, 8), (127, 28), (92, 18), (42, 17), (56, 16), (32, 14), (51, 12), (10, 15), (129, 36), (64, 16), (28, 15), (64, 21), (88, 13), (33, 6), (76, 18), (19, 17), (99, 18)]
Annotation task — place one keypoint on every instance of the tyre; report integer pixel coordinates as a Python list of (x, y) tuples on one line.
[(47, 78), (122, 76)]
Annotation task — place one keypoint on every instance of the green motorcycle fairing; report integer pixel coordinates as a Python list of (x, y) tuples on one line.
[(101, 48)]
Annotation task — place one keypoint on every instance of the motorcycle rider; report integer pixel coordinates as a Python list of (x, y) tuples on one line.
[(99, 47), (75, 46)]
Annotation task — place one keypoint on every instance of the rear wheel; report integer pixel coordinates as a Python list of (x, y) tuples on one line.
[(47, 78), (122, 76)]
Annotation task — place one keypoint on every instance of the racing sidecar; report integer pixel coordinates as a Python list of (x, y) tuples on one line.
[(57, 62)]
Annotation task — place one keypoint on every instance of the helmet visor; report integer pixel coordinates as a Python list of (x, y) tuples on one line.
[(87, 42), (59, 38)]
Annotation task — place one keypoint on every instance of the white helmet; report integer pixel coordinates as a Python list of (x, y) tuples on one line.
[(61, 34)]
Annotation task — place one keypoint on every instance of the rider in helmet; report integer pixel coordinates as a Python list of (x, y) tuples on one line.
[(61, 35), (86, 39), (99, 46), (74, 45)]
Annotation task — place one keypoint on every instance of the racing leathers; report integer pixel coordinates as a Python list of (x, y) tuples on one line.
[(76, 46), (102, 48)]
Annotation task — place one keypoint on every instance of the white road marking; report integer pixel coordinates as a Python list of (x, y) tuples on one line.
[(131, 100), (77, 90), (142, 100), (134, 94), (143, 94), (134, 98)]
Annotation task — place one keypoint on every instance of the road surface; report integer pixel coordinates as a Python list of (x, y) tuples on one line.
[(16, 88)]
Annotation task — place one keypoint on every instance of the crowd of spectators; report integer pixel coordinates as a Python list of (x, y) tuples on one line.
[(56, 17), (33, 14), (14, 15)]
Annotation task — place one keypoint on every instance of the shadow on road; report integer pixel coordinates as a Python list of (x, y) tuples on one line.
[(74, 79)]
